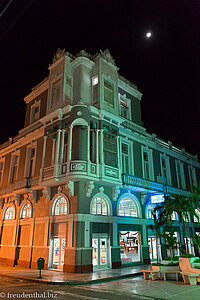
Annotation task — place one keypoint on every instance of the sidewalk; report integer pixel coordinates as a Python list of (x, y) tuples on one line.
[(59, 277)]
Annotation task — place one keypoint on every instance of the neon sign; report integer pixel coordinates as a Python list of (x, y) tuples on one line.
[(157, 198)]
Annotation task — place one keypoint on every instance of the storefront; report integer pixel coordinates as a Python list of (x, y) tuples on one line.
[(130, 246), (100, 255)]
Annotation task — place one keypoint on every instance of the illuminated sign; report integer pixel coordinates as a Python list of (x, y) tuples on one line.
[(157, 198)]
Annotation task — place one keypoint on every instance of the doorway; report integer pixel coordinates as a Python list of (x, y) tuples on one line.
[(100, 251), (58, 252), (152, 248)]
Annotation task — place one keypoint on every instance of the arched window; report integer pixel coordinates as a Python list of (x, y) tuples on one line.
[(10, 213), (127, 207), (198, 214), (60, 207), (100, 206), (149, 210), (26, 211), (174, 216)]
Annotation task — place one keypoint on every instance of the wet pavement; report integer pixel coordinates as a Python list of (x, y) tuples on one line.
[(59, 277)]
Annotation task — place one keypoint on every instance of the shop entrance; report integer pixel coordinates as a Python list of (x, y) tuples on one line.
[(130, 246), (100, 251), (152, 248), (58, 252)]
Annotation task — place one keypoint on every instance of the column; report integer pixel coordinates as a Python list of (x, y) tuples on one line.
[(43, 157), (115, 248), (69, 154), (87, 234), (57, 173), (62, 146), (53, 151), (145, 246), (88, 143), (101, 147), (97, 146)]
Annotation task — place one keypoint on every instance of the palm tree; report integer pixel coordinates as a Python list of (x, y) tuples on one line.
[(183, 206)]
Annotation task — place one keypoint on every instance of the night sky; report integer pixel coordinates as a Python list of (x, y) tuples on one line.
[(166, 67)]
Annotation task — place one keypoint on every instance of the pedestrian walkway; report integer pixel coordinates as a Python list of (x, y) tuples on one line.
[(59, 277)]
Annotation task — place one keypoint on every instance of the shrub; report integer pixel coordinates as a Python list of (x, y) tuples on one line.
[(197, 260), (175, 258), (188, 255)]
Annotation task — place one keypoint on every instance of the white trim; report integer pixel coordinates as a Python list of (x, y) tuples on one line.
[(53, 203), (166, 158), (150, 162), (107, 199), (136, 202)]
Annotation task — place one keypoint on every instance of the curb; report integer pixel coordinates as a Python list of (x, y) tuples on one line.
[(72, 282)]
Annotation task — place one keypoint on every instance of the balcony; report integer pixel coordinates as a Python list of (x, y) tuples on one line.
[(143, 185)]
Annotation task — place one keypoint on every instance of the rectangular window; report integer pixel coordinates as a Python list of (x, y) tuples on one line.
[(14, 168), (1, 170), (192, 177), (180, 175), (35, 112), (93, 143), (124, 108), (68, 86), (165, 169), (108, 93), (95, 88), (56, 87), (110, 148), (30, 162), (125, 159), (65, 147), (146, 165)]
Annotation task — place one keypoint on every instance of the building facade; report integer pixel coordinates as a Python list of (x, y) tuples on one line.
[(79, 181)]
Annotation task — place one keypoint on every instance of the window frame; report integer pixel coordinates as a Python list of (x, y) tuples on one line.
[(150, 162), (13, 175), (13, 211), (28, 161), (66, 206), (2, 166), (53, 103), (179, 166), (135, 205), (107, 201), (24, 207), (33, 107), (111, 83), (168, 170), (123, 98), (108, 150)]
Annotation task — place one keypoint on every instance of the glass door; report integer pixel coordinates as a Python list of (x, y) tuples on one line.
[(58, 252), (99, 253), (152, 248)]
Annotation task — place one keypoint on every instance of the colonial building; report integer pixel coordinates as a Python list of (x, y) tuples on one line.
[(79, 181)]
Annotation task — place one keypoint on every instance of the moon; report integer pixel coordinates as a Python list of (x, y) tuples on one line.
[(148, 34)]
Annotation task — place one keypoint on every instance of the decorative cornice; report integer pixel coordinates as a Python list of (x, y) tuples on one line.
[(127, 88), (37, 91)]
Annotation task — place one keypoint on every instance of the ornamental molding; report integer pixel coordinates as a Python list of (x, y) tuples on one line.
[(47, 192), (17, 199), (60, 189), (33, 195), (70, 187), (37, 91), (101, 190), (115, 193), (89, 188)]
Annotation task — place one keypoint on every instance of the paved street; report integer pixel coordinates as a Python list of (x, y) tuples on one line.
[(18, 289), (128, 288)]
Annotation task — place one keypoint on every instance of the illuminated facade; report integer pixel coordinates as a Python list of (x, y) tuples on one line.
[(76, 182)]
